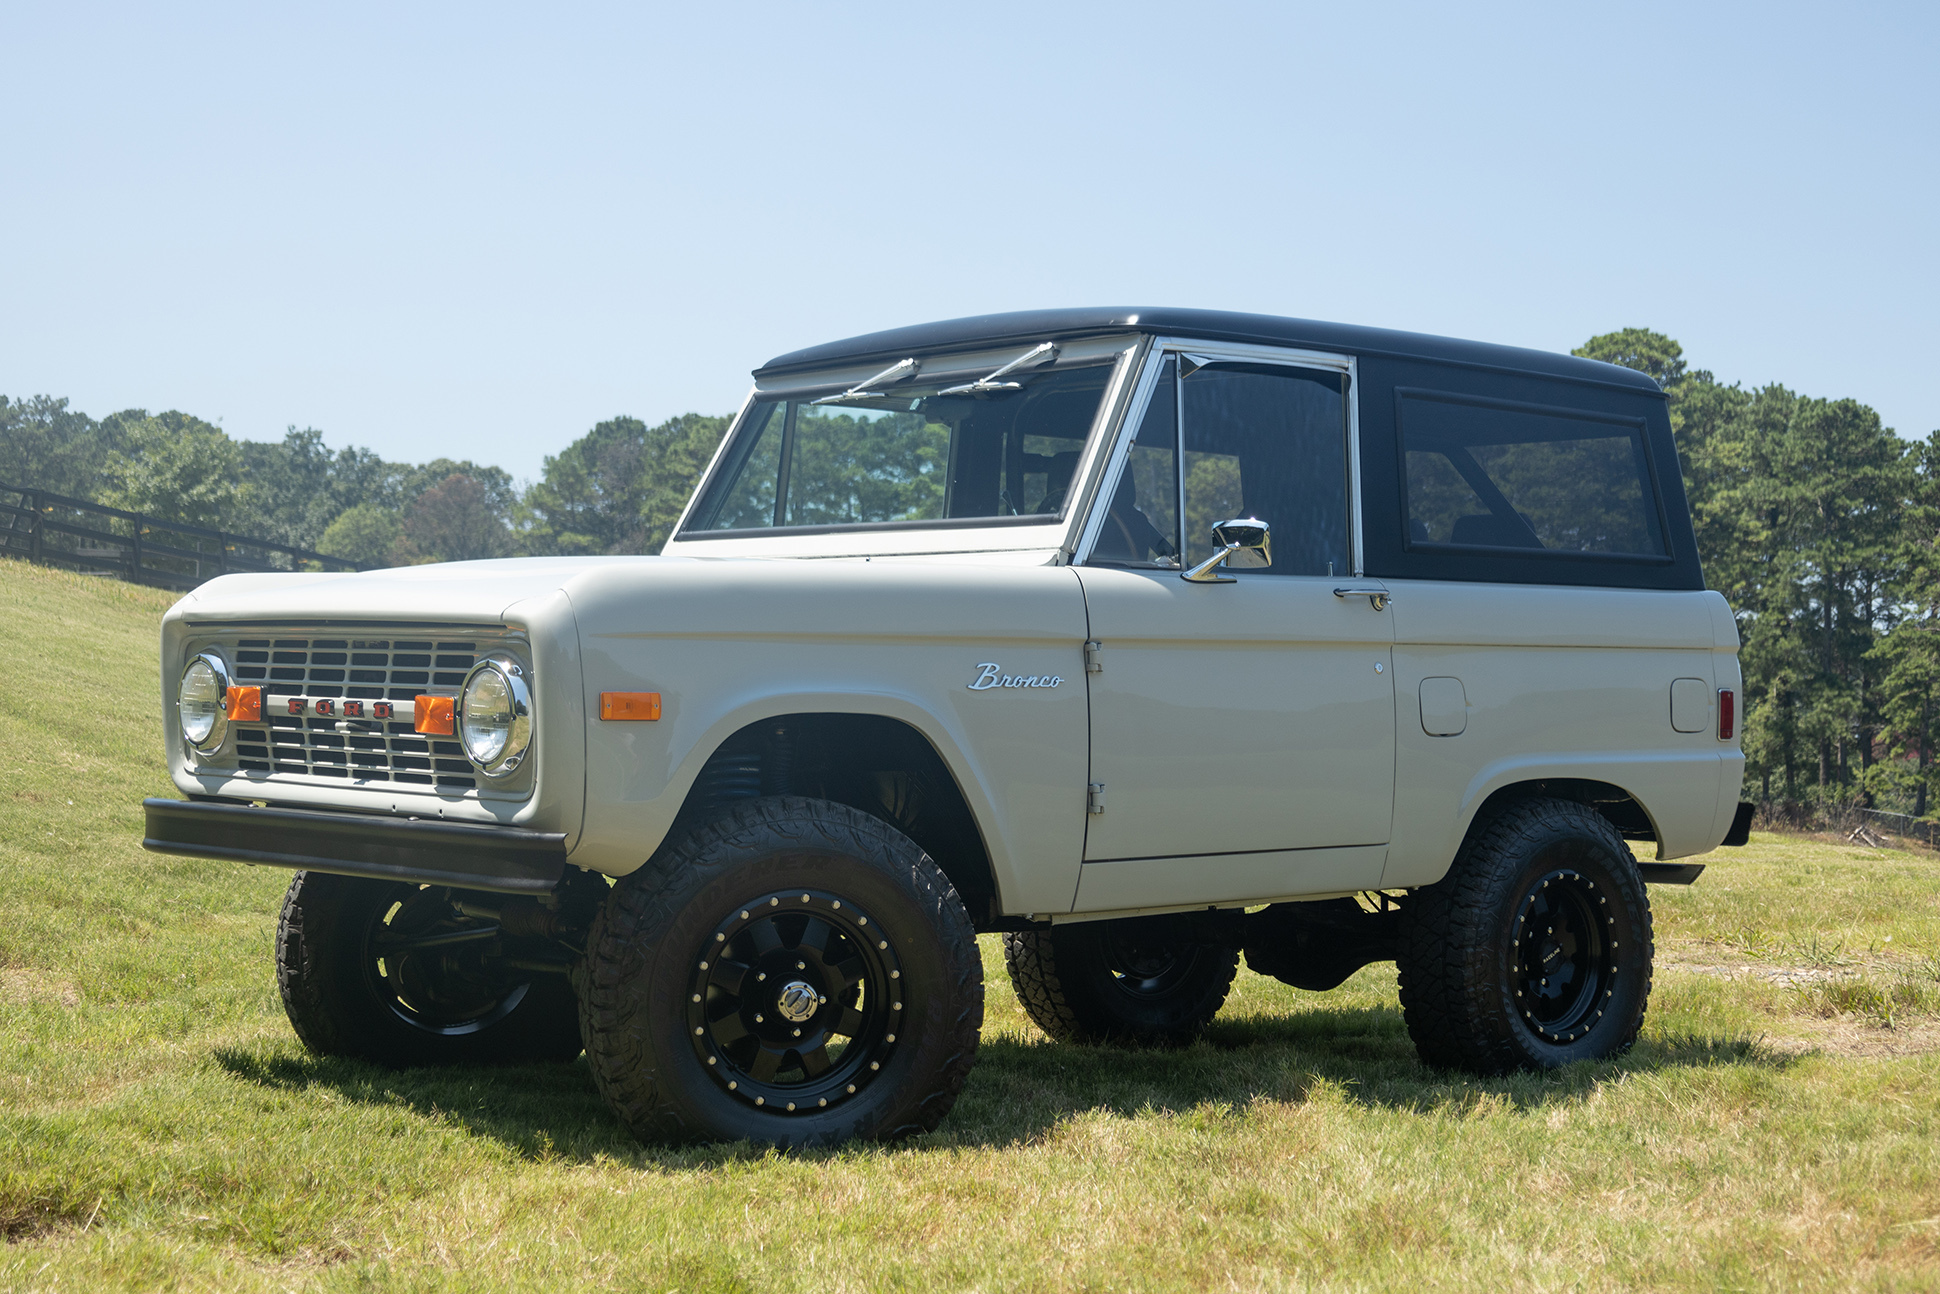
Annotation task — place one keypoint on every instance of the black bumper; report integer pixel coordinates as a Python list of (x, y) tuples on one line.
[(509, 860)]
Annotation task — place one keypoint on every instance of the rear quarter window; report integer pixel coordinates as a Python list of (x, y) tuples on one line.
[(1483, 476)]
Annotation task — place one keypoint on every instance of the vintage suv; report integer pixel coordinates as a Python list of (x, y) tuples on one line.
[(1147, 638)]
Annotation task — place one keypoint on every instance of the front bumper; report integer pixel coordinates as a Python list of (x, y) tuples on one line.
[(508, 860)]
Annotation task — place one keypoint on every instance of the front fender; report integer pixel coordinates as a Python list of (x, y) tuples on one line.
[(907, 647)]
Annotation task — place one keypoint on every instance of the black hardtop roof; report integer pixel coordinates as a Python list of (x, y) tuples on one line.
[(1213, 325)]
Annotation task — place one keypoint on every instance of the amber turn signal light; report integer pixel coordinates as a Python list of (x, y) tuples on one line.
[(433, 716), (243, 705), (629, 705)]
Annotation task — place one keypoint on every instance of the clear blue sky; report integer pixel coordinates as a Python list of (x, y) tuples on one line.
[(475, 231)]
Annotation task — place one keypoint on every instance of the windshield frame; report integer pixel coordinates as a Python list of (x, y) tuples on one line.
[(1041, 533)]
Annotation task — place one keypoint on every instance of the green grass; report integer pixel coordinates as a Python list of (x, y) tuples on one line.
[(160, 1128)]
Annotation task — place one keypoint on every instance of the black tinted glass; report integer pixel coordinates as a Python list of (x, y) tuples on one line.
[(1268, 442), (1481, 475)]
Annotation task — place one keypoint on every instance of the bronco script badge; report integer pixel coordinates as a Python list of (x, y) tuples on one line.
[(990, 676)]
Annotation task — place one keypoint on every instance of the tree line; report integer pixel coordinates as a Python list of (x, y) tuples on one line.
[(1817, 523), (617, 489)]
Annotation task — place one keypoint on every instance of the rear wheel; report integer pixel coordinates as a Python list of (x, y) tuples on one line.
[(1535, 950), (790, 971), (396, 973), (1143, 982)]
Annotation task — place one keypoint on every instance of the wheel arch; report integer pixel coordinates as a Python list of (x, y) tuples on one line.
[(1616, 805), (882, 765)]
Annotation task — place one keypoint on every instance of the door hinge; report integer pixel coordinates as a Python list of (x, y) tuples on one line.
[(1094, 658), (1095, 799)]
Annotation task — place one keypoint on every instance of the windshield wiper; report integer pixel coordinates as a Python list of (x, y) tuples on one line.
[(899, 371), (1042, 353)]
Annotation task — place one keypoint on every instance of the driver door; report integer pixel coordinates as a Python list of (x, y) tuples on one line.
[(1242, 733)]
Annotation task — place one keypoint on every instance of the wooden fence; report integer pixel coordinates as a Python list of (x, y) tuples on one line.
[(52, 528)]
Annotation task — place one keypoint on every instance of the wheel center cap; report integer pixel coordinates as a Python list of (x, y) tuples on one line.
[(797, 1001)]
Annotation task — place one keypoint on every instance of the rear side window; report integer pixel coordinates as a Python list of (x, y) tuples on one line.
[(1482, 474)]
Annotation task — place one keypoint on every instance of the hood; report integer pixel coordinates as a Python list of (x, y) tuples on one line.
[(445, 591)]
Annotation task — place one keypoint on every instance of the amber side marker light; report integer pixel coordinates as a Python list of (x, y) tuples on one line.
[(1727, 713), (434, 716), (243, 705), (629, 705)]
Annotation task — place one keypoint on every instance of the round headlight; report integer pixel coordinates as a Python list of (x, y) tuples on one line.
[(201, 701), (495, 715)]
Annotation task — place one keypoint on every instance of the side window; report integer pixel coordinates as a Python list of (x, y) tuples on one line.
[(1270, 442), (1496, 476), (1142, 522)]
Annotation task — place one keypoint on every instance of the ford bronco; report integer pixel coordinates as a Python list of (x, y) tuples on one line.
[(1150, 640)]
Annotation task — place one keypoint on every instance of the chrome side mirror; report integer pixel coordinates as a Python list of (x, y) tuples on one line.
[(1249, 535)]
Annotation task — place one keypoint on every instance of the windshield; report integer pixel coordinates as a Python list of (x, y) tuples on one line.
[(908, 448)]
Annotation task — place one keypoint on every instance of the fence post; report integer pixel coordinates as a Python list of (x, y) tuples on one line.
[(140, 523), (32, 499)]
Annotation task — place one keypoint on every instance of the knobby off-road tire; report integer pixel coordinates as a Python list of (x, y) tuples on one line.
[(1133, 982), (789, 971), (1534, 951), (353, 986)]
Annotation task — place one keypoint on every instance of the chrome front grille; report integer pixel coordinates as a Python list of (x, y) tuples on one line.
[(358, 750)]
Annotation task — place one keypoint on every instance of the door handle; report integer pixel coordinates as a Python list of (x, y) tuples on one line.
[(1376, 598)]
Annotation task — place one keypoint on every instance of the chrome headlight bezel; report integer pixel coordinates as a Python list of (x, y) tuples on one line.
[(518, 740), (219, 728)]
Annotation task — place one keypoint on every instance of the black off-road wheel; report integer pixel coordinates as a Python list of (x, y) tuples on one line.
[(393, 972), (1534, 951), (789, 971), (1132, 982)]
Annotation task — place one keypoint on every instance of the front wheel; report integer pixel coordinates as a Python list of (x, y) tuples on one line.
[(1534, 951), (790, 971)]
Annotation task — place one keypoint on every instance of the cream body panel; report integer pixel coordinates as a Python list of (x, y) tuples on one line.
[(522, 596), (1560, 682), (728, 643), (1240, 718), (1147, 884)]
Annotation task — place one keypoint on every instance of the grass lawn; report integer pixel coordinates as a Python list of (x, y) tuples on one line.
[(160, 1128)]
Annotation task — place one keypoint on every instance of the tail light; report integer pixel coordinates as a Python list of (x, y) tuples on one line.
[(1727, 714)]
